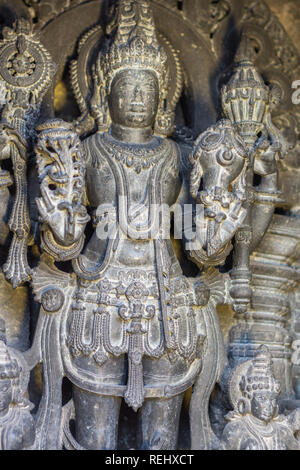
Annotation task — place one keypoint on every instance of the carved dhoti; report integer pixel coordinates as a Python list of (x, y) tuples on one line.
[(117, 321)]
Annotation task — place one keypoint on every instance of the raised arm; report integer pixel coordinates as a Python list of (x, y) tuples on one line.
[(61, 169), (26, 74), (219, 164)]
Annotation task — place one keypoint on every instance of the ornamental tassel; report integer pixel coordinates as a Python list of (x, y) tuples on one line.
[(134, 395), (24, 89), (16, 267)]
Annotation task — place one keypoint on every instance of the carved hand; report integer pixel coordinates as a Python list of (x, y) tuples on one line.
[(265, 159), (222, 227), (4, 143), (61, 170), (219, 160), (9, 136), (67, 220)]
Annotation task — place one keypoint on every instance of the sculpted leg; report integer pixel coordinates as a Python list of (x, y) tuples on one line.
[(97, 419), (158, 423)]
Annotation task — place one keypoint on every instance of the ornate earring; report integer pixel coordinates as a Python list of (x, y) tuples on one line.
[(99, 103), (243, 406), (164, 124)]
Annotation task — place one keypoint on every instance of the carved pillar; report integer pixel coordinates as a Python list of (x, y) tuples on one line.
[(295, 333), (26, 71), (274, 276)]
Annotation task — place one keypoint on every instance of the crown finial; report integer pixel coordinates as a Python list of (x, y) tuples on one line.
[(134, 42), (259, 375), (245, 98), (245, 52)]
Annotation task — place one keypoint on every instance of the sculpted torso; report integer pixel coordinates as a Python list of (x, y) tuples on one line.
[(150, 178), (132, 327)]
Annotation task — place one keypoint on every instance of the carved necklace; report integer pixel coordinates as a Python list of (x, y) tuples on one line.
[(261, 428), (136, 156), (162, 160), (263, 433)]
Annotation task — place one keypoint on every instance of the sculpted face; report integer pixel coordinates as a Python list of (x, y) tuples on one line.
[(263, 405), (5, 394), (133, 100)]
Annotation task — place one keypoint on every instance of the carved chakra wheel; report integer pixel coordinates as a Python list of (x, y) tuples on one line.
[(26, 64), (201, 39)]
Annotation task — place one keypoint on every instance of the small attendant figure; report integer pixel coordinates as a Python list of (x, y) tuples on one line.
[(17, 431), (254, 424)]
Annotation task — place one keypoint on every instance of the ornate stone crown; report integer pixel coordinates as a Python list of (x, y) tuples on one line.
[(134, 44), (245, 99), (259, 376)]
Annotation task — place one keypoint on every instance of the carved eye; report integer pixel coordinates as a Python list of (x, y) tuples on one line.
[(211, 141), (225, 157)]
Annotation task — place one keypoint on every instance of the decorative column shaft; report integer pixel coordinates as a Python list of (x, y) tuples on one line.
[(245, 101), (275, 276)]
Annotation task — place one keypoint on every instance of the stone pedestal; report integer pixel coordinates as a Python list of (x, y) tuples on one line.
[(275, 275)]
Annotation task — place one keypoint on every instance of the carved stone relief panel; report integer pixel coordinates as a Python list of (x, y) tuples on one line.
[(149, 183)]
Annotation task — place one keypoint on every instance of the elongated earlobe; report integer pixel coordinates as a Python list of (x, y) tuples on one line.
[(243, 406)]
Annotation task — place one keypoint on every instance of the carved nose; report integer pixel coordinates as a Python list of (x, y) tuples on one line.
[(138, 95)]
